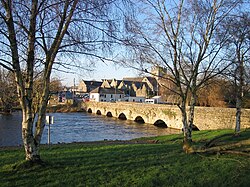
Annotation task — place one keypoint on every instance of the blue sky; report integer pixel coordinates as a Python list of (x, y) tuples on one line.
[(101, 71)]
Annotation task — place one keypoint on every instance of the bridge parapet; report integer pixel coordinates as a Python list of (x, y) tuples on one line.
[(205, 117)]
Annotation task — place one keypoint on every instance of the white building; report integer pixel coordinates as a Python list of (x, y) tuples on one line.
[(106, 95), (134, 99)]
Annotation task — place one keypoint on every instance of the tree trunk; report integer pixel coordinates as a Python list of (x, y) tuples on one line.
[(191, 113), (30, 145), (32, 141), (42, 114), (187, 135), (186, 131), (239, 94), (238, 115), (224, 148)]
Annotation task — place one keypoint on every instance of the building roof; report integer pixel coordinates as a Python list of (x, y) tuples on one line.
[(115, 81), (92, 83), (133, 79), (118, 82), (152, 80), (138, 81), (129, 83), (102, 90), (138, 84), (108, 80)]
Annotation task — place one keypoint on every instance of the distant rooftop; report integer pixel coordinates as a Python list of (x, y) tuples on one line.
[(94, 83), (102, 90), (133, 79)]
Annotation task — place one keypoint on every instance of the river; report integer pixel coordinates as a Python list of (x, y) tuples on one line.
[(79, 127)]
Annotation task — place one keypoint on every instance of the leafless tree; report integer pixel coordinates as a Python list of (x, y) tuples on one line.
[(42, 35), (180, 36), (236, 29), (8, 94)]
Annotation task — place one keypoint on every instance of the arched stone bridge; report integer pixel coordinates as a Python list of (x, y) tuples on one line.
[(168, 115)]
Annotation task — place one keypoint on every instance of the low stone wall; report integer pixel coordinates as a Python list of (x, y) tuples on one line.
[(220, 118), (205, 117)]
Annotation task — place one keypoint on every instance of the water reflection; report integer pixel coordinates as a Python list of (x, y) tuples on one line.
[(78, 127)]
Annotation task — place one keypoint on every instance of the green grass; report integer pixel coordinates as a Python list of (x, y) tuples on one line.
[(100, 164)]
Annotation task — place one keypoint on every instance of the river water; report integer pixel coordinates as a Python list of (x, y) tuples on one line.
[(79, 127)]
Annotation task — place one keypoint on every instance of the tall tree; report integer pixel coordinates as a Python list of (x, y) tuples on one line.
[(39, 35), (236, 29), (180, 36)]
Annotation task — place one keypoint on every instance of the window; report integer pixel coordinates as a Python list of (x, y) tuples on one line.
[(111, 96), (120, 96)]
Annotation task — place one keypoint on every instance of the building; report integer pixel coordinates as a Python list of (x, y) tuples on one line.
[(106, 83), (141, 86), (101, 94), (158, 72), (87, 86), (132, 89), (134, 99), (115, 83), (152, 83)]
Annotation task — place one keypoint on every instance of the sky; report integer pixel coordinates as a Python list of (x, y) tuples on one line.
[(101, 71)]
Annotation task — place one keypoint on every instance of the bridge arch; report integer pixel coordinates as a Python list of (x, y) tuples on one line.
[(139, 119), (98, 112), (109, 114), (89, 110), (122, 116), (195, 128), (160, 123)]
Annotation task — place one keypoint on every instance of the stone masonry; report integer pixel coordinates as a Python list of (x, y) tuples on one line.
[(206, 118)]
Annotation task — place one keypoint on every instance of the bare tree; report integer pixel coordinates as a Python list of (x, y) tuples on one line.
[(39, 35), (8, 94), (55, 86), (180, 36), (212, 93), (236, 28)]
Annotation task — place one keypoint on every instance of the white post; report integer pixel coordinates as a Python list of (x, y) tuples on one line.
[(49, 134), (49, 121)]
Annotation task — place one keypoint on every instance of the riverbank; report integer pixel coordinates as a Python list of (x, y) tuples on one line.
[(62, 108), (9, 111), (157, 161)]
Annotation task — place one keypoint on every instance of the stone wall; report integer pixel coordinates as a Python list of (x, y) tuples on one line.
[(220, 118), (205, 117)]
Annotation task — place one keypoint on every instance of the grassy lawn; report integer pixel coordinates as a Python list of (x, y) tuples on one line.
[(126, 164)]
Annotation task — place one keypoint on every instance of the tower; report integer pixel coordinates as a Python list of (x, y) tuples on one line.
[(158, 72)]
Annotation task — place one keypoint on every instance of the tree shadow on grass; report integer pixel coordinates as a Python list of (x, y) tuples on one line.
[(29, 165)]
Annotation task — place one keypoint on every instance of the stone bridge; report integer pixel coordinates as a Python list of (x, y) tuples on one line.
[(168, 115)]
